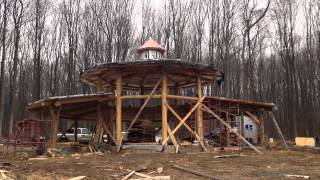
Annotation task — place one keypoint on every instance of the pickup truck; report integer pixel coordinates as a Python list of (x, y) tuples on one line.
[(83, 135)]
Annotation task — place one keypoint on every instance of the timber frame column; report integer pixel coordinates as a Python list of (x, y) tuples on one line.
[(99, 129), (199, 115), (54, 125), (164, 93), (118, 110)]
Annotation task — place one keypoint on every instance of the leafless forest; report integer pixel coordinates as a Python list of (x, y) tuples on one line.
[(269, 51)]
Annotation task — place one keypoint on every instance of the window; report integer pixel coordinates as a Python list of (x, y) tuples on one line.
[(70, 131), (247, 126), (85, 131), (79, 131)]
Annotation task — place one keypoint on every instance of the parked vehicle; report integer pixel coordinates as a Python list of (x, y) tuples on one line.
[(84, 135)]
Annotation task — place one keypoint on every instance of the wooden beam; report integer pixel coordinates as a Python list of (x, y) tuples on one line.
[(187, 127), (54, 125), (118, 111), (242, 124), (173, 139), (76, 130), (253, 117), (164, 110), (278, 129), (262, 135), (109, 133), (230, 128), (228, 131), (144, 104), (185, 118), (182, 97), (206, 176), (140, 96), (199, 115), (98, 133), (99, 86)]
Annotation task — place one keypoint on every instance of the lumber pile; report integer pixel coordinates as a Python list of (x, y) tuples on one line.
[(142, 131)]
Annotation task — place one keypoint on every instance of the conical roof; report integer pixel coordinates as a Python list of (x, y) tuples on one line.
[(151, 45)]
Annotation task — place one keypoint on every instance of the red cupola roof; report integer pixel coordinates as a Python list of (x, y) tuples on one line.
[(151, 45)]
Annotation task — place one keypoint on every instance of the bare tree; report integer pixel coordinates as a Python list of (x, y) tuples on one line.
[(3, 59)]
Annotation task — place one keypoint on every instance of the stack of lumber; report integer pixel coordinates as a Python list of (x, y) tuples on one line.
[(142, 131)]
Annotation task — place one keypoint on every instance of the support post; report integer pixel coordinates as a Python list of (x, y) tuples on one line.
[(99, 86), (278, 129), (118, 110), (227, 130), (199, 115), (164, 92), (98, 134), (76, 130), (242, 124), (54, 125), (262, 130)]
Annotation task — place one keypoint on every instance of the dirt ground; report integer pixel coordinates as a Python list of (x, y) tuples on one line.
[(270, 165)]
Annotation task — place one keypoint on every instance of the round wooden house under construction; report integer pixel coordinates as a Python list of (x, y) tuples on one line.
[(155, 100)]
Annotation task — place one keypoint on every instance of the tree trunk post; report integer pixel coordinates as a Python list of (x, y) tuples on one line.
[(199, 115), (164, 92), (118, 110), (54, 126), (75, 130)]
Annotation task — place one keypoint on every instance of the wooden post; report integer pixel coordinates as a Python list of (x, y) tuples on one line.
[(242, 125), (118, 110), (76, 130), (278, 129), (98, 124), (227, 130), (54, 125), (199, 115), (164, 92), (142, 93), (99, 86), (262, 129)]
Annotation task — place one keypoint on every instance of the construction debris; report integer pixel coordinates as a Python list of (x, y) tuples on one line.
[(194, 172), (78, 178), (227, 156), (297, 176), (38, 158), (160, 170), (305, 141), (144, 146)]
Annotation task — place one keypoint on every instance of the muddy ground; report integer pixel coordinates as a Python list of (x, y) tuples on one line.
[(270, 165)]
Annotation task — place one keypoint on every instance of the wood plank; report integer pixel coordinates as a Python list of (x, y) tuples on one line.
[(173, 139), (109, 133), (278, 129), (253, 117), (154, 96), (128, 176), (230, 128), (182, 97), (194, 172), (144, 104), (187, 127), (185, 118)]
